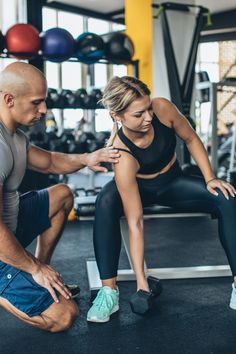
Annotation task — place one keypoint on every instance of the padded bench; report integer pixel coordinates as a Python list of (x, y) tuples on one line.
[(85, 207)]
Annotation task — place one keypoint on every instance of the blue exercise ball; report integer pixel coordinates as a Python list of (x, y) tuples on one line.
[(89, 48), (57, 44)]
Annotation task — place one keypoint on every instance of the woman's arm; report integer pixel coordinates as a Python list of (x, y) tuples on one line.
[(170, 115), (125, 176)]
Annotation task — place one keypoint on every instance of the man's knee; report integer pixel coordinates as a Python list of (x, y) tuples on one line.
[(65, 194), (63, 319)]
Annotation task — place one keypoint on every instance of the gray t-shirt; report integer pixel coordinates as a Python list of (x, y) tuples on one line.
[(13, 162)]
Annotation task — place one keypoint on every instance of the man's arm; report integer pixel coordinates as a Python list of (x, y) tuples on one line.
[(11, 252), (44, 161)]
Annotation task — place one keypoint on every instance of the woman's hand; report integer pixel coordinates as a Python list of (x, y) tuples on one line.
[(226, 188)]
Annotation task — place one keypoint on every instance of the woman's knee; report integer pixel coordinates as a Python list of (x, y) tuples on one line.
[(109, 201)]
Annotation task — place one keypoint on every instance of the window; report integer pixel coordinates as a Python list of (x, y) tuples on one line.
[(11, 12), (103, 121), (209, 60), (98, 26), (73, 75)]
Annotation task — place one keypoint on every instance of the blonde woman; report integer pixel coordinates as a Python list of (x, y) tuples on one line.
[(148, 172)]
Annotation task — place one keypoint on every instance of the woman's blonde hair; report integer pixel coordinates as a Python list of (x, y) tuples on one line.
[(119, 93)]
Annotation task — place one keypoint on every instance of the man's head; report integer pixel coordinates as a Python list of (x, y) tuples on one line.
[(23, 90)]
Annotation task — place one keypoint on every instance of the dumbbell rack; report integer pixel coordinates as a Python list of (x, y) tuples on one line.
[(161, 273)]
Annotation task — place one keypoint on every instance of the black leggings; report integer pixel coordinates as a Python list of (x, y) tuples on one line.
[(168, 189)]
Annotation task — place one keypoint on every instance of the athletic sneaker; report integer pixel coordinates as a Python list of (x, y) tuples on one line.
[(232, 303), (74, 290), (104, 305)]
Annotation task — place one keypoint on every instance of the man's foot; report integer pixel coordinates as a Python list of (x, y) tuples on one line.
[(74, 289), (232, 303), (104, 305)]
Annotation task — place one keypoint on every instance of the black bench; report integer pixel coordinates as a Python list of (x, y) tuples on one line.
[(85, 207)]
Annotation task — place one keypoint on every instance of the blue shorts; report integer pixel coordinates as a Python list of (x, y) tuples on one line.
[(16, 286)]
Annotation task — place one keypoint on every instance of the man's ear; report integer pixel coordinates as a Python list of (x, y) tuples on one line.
[(8, 99)]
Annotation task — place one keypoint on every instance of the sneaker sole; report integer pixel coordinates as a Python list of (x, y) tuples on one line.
[(106, 319), (232, 306)]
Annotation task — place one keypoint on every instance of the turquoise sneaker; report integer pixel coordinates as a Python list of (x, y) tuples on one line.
[(232, 303), (104, 305)]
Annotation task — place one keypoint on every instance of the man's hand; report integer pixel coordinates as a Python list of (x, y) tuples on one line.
[(94, 159), (50, 279)]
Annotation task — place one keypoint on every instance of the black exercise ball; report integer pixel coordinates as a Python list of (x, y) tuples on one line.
[(119, 48), (89, 48), (2, 42)]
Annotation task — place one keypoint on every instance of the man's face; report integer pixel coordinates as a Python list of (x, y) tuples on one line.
[(30, 106)]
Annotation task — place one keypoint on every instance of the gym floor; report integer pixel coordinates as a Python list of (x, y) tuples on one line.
[(191, 316)]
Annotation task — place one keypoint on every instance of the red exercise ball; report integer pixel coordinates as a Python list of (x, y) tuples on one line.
[(22, 38)]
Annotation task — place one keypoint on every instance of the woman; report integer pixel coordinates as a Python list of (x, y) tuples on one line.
[(148, 172)]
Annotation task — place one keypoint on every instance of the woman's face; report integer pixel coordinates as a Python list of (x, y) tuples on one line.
[(138, 116)]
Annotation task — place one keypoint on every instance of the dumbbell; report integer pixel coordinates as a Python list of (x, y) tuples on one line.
[(142, 301), (52, 98), (96, 96), (83, 100), (68, 99)]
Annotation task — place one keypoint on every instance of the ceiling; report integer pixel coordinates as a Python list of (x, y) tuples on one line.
[(103, 6), (106, 6)]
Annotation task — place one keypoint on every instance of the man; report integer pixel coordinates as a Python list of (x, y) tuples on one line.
[(29, 287)]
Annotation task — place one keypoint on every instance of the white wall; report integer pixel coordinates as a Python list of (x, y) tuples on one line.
[(181, 28)]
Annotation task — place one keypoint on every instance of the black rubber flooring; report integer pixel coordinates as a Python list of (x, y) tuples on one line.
[(190, 317)]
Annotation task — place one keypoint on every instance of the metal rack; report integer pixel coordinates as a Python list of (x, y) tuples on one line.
[(214, 87)]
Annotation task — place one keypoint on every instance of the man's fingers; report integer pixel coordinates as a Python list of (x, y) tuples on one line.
[(99, 169), (53, 293), (62, 289)]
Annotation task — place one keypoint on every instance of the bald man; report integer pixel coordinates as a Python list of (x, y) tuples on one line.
[(29, 287)]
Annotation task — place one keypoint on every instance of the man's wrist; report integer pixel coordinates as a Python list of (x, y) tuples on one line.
[(84, 159), (34, 264)]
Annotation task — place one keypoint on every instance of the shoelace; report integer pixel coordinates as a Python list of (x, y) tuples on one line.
[(103, 300)]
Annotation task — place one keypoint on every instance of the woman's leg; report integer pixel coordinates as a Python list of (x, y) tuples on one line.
[(107, 244), (107, 234), (190, 193)]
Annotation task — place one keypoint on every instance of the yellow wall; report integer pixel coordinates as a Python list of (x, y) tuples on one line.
[(138, 20)]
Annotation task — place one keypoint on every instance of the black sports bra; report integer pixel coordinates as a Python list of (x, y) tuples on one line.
[(158, 154)]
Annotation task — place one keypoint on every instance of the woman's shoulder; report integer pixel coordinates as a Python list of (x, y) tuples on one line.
[(163, 109), (160, 104)]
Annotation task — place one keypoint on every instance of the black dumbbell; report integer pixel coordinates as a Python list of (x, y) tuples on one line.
[(142, 301), (83, 100), (96, 96), (155, 285), (52, 98)]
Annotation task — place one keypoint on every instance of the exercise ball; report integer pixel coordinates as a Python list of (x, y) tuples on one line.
[(119, 48), (2, 42), (22, 38), (89, 48), (57, 44)]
